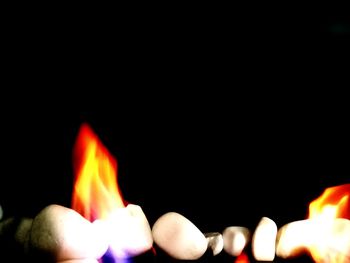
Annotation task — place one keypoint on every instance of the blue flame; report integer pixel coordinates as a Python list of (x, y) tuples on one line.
[(108, 257)]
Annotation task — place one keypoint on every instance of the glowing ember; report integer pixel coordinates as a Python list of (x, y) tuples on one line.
[(329, 241), (242, 258), (96, 193)]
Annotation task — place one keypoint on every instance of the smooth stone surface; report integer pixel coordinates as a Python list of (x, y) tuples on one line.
[(327, 241), (264, 240), (235, 239), (215, 242), (66, 235), (179, 237), (128, 231)]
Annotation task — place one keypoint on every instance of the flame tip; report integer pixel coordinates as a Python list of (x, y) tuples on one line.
[(333, 203), (96, 192)]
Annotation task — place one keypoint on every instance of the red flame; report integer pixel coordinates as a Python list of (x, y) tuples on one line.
[(96, 193)]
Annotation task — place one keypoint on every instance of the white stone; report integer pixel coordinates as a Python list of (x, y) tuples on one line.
[(293, 239), (235, 239), (264, 240), (128, 231), (215, 242), (179, 237), (326, 241), (66, 235)]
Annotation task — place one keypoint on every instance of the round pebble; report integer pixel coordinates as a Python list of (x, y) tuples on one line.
[(65, 234), (179, 237)]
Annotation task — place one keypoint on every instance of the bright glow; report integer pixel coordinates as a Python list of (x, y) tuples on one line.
[(242, 258), (235, 239), (264, 240), (97, 197), (129, 231), (329, 242), (96, 193), (239, 243), (333, 203)]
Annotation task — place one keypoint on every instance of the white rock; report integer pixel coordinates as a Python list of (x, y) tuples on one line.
[(264, 240), (293, 239), (327, 241), (128, 231), (215, 242), (179, 237), (235, 239), (65, 234)]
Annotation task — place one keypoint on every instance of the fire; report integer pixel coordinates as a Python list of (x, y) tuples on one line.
[(96, 193), (97, 197), (242, 258), (329, 244), (333, 203)]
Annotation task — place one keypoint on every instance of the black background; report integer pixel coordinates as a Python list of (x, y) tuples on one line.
[(217, 162), (224, 119)]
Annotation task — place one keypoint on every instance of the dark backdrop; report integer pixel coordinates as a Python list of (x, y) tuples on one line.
[(215, 159), (224, 118)]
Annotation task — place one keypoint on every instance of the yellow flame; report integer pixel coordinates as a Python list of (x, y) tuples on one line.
[(96, 193), (332, 204)]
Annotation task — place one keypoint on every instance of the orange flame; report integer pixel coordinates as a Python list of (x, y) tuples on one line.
[(333, 203), (242, 258), (96, 193)]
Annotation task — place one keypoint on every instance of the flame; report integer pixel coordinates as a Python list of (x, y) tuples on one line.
[(331, 204), (96, 193), (242, 258), (97, 197)]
